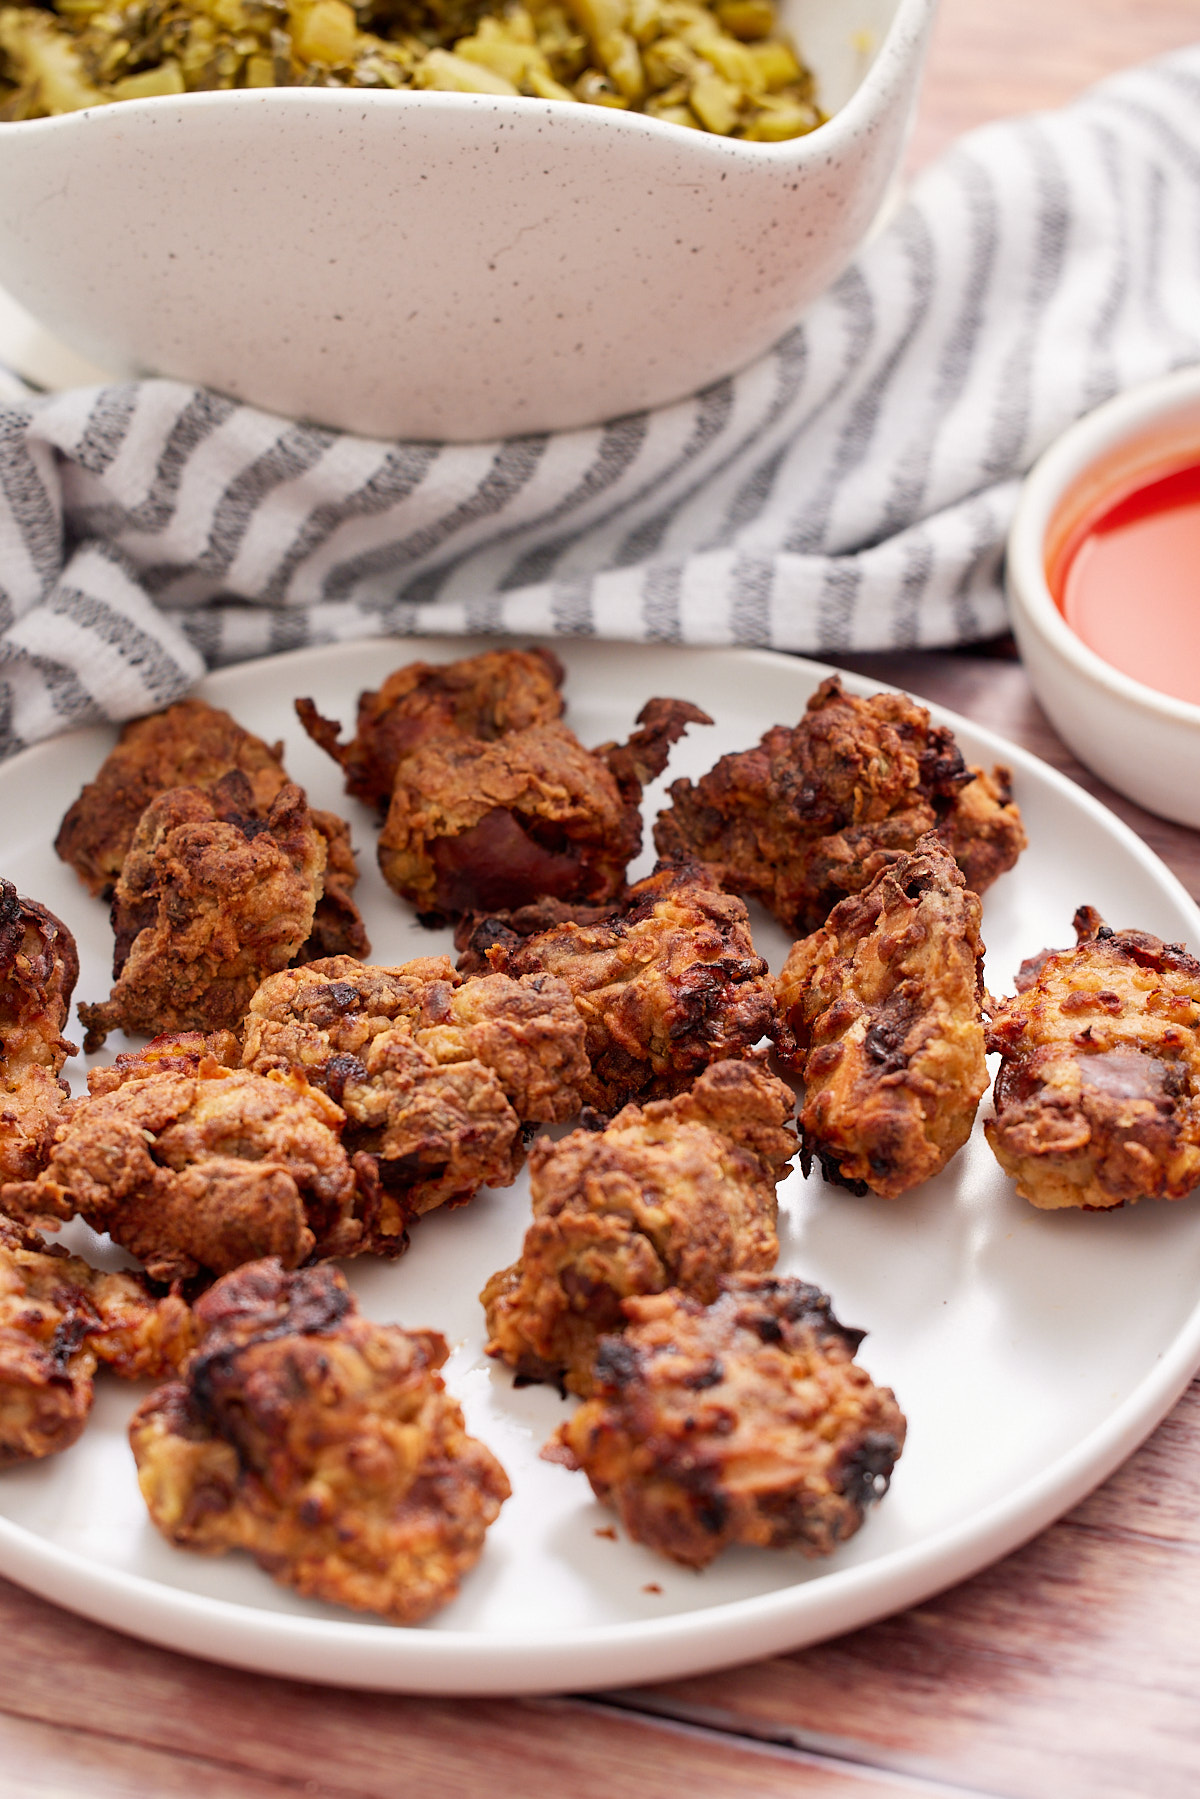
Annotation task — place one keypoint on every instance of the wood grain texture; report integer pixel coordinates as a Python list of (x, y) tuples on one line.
[(992, 58), (1071, 1670), (123, 1698)]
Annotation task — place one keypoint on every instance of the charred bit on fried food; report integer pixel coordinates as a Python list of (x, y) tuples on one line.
[(196, 1173), (745, 1421), (193, 744), (798, 821), (485, 696), (881, 1012), (1097, 1101), (59, 1317), (674, 1194), (39, 966), (211, 899), (666, 982), (324, 1445), (437, 1075), (477, 826)]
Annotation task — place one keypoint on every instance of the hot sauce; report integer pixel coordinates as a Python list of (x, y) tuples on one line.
[(1127, 581)]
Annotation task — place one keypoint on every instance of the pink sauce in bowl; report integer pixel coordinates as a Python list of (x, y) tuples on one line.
[(1125, 574), (1103, 580)]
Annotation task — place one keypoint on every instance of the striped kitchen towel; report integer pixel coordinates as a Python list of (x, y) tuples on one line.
[(850, 491)]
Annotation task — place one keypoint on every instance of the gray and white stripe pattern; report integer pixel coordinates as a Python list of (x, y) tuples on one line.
[(850, 491)]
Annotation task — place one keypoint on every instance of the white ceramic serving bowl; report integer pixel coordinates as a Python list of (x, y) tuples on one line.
[(1144, 743), (450, 266)]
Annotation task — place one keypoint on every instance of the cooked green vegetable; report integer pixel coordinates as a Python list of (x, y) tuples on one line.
[(726, 69)]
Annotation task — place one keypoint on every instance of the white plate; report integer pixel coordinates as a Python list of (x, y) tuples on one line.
[(1031, 1352)]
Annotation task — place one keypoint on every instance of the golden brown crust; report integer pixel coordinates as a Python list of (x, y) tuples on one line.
[(798, 821), (337, 927), (982, 827), (210, 901), (1098, 1095), (666, 983), (881, 1013), (190, 744), (193, 744), (33, 1104), (174, 1052), (744, 1422), (324, 1445), (39, 966), (58, 1318), (485, 696), (436, 1075), (198, 1173), (480, 826), (676, 1193)]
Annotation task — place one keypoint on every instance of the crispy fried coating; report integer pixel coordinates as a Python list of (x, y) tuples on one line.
[(324, 1445), (665, 983), (58, 1319), (744, 1421), (190, 744), (39, 966), (337, 926), (527, 1031), (1097, 1101), (801, 820), (175, 1052), (982, 828), (199, 1172), (33, 1104), (436, 1075), (211, 900), (673, 1194), (193, 744), (881, 1012), (485, 696), (480, 826)]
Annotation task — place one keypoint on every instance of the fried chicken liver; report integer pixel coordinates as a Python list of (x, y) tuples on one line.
[(881, 1013), (324, 1445), (199, 1172), (744, 1421), (211, 899), (39, 966), (436, 1075), (665, 983), (58, 1319), (486, 697), (193, 744), (1097, 1101), (478, 825), (673, 1194), (803, 818)]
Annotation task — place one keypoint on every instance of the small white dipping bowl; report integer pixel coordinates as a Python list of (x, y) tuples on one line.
[(450, 266), (1144, 743)]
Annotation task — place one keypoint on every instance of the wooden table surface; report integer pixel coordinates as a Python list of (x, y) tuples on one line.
[(1070, 1669)]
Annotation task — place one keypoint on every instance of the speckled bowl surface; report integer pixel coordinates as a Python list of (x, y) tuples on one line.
[(1144, 743), (450, 266)]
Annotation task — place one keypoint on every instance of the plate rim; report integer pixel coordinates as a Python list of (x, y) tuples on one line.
[(366, 1655)]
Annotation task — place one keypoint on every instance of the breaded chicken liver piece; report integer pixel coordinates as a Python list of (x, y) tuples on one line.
[(322, 1444), (744, 1421), (676, 1193), (1097, 1101), (881, 1013)]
